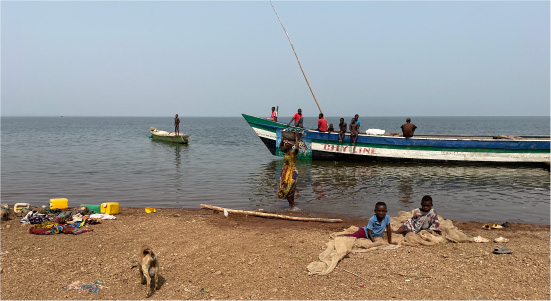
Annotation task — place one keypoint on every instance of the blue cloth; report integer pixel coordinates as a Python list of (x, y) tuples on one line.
[(377, 228), (358, 122)]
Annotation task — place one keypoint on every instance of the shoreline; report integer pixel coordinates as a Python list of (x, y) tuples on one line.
[(205, 255), (301, 213)]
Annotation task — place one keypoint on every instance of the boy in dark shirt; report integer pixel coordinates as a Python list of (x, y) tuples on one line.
[(342, 129)]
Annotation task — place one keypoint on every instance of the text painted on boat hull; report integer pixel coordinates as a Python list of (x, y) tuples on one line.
[(349, 149)]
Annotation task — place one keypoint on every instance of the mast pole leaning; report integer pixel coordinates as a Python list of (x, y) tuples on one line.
[(311, 91)]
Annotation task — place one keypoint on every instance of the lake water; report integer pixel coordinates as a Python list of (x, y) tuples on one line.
[(91, 160)]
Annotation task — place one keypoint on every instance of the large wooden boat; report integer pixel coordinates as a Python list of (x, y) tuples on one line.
[(455, 149), (164, 136)]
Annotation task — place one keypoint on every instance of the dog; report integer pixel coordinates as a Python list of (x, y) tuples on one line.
[(149, 268)]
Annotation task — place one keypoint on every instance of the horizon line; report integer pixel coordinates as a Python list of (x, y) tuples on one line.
[(225, 116)]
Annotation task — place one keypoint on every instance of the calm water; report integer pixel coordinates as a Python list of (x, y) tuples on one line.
[(90, 160)]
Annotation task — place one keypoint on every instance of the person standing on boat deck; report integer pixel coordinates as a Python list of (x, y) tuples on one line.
[(274, 114), (289, 172), (330, 128), (354, 127), (322, 123), (177, 125), (298, 119), (408, 128), (358, 122), (342, 129)]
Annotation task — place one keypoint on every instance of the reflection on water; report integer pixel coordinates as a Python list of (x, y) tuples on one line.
[(406, 189), (178, 172), (475, 193)]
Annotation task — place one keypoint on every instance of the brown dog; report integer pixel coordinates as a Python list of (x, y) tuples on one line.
[(149, 266)]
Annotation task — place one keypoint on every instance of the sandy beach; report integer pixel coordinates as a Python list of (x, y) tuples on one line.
[(204, 255)]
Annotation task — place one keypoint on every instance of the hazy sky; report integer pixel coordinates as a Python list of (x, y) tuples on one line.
[(397, 58)]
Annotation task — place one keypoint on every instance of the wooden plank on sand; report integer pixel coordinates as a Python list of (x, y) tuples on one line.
[(271, 215)]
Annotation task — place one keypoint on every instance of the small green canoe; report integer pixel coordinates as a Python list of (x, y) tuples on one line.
[(165, 136)]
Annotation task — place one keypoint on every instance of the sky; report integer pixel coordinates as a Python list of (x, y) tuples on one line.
[(206, 58)]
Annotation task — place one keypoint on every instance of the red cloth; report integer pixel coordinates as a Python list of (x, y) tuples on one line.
[(274, 116), (322, 124), (40, 231), (297, 117), (358, 234)]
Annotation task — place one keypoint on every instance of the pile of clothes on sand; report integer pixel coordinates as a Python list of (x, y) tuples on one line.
[(56, 221)]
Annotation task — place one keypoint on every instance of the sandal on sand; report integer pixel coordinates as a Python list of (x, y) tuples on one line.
[(480, 239), (486, 227), (496, 226), (501, 239), (502, 250)]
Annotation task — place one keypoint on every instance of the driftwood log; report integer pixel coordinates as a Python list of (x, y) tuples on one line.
[(271, 215)]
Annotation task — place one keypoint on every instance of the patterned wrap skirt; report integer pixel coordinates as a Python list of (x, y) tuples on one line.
[(288, 182)]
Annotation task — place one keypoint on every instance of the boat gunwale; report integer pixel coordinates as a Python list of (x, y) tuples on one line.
[(439, 137)]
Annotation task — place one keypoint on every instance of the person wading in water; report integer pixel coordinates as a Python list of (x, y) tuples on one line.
[(289, 173)]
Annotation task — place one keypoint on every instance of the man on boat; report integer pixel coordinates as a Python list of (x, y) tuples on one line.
[(408, 128), (358, 122), (322, 123), (342, 129), (177, 125), (298, 119), (354, 131), (274, 114)]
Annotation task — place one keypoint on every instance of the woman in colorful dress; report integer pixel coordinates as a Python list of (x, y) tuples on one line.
[(289, 173)]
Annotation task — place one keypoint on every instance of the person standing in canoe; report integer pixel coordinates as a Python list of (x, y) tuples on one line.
[(289, 172), (177, 125)]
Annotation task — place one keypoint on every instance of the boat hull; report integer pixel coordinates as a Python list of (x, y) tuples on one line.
[(526, 150)]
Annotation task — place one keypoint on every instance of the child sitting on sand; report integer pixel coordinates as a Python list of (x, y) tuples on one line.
[(376, 225), (424, 218)]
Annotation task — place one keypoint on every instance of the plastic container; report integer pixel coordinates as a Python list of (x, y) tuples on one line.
[(20, 206), (59, 203), (95, 208), (110, 208)]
